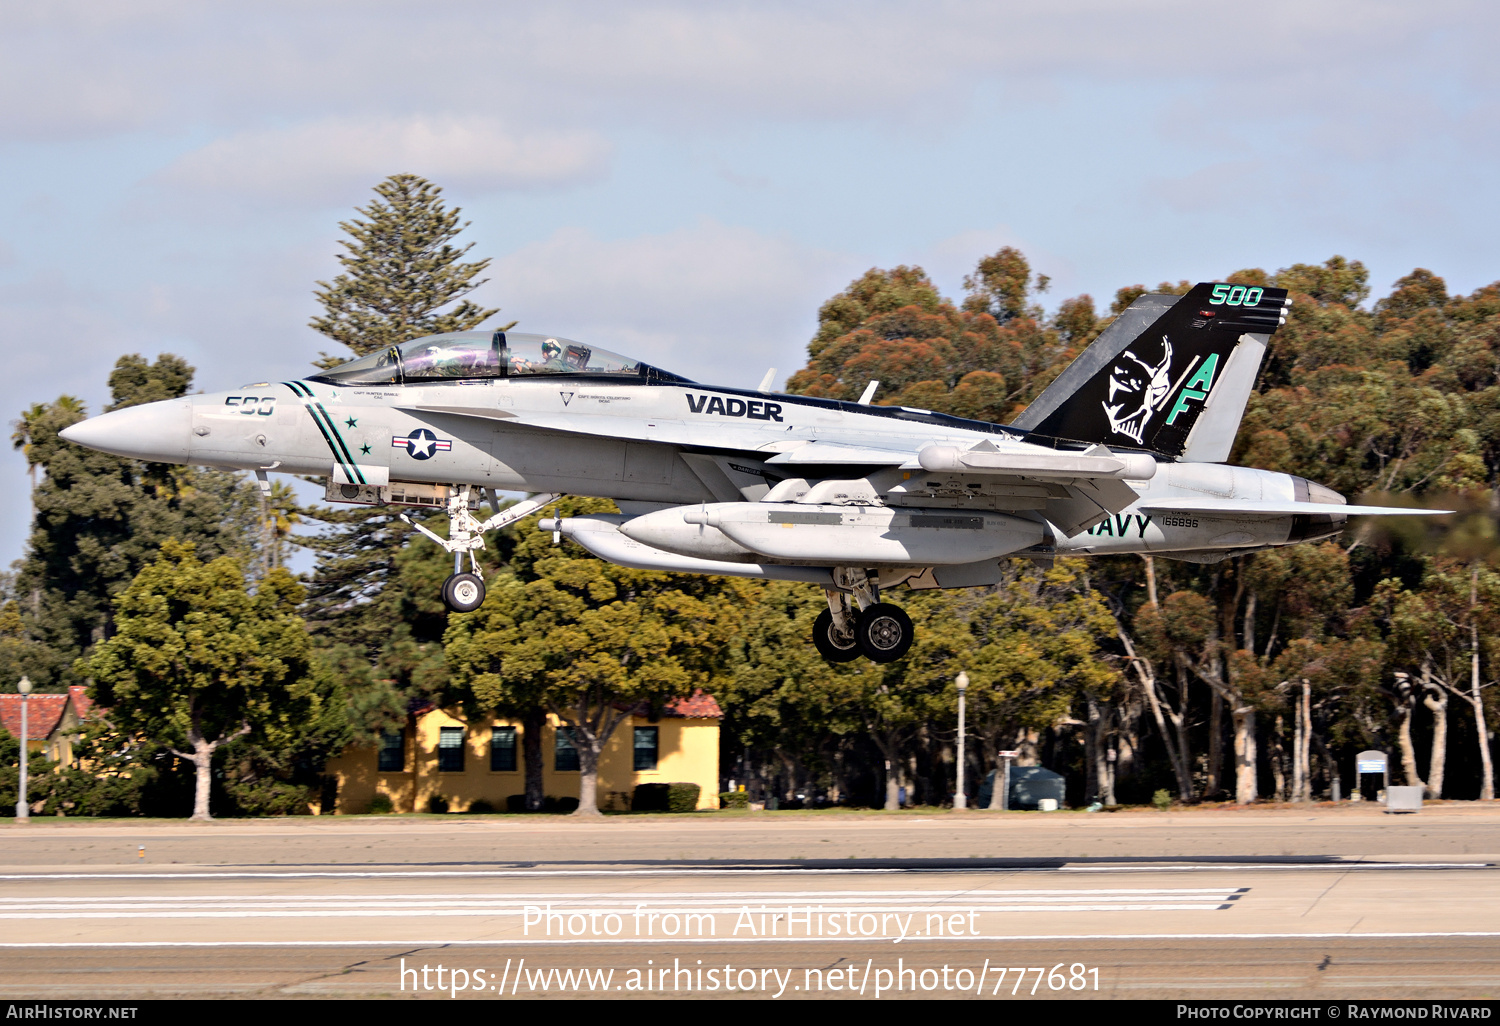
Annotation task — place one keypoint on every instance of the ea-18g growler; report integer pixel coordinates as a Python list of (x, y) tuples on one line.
[(1123, 452)]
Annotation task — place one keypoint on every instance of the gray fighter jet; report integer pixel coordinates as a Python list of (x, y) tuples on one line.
[(1123, 453)]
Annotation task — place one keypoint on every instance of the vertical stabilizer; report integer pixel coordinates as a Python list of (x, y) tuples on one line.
[(1169, 375)]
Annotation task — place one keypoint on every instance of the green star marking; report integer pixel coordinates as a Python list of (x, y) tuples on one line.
[(364, 450), (350, 422)]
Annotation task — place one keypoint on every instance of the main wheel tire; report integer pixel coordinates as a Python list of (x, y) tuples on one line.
[(829, 647), (463, 593), (885, 633)]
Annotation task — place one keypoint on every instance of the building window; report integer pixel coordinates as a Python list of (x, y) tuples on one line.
[(565, 757), (451, 750), (392, 751), (647, 742), (503, 749)]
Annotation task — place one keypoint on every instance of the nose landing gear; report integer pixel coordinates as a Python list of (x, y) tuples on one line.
[(464, 592)]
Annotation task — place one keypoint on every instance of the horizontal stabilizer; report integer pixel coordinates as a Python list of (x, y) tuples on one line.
[(1241, 507)]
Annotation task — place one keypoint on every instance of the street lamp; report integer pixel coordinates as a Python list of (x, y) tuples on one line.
[(23, 808), (961, 800)]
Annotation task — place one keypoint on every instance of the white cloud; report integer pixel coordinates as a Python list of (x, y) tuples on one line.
[(715, 302), (320, 160), (92, 67)]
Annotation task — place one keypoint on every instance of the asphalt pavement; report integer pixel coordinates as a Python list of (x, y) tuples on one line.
[(1317, 902)]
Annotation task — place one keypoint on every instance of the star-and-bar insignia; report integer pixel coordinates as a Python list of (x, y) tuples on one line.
[(422, 443)]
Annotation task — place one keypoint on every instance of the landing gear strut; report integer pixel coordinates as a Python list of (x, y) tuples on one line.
[(879, 631), (464, 592)]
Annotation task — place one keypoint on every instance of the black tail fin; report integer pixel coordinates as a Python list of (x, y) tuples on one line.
[(1146, 382)]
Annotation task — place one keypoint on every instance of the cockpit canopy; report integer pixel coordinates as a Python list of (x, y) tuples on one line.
[(463, 355)]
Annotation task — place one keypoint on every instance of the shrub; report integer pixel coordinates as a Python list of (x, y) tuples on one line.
[(382, 805), (271, 797), (682, 797), (437, 804), (651, 798), (1162, 799), (734, 800), (567, 805), (515, 803), (74, 792), (480, 806)]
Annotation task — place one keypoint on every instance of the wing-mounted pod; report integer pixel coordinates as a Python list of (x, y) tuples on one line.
[(1074, 490), (1169, 375)]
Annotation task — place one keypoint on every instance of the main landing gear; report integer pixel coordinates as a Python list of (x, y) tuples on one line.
[(464, 592), (879, 631)]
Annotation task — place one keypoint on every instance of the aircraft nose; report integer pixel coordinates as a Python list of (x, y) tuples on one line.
[(159, 432)]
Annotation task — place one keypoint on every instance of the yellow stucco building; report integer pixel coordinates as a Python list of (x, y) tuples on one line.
[(439, 755)]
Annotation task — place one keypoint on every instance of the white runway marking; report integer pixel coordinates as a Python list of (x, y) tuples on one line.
[(298, 874), (1013, 937), (339, 906)]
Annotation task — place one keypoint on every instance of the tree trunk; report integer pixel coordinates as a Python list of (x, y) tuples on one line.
[(1405, 697), (1244, 754), (1436, 701), (1487, 769), (588, 774), (1175, 740), (1305, 751), (1278, 759), (1299, 768), (1214, 780), (1127, 740), (533, 725), (202, 758), (1092, 753)]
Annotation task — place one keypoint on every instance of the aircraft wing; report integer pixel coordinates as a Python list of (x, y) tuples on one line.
[(840, 452), (1243, 507)]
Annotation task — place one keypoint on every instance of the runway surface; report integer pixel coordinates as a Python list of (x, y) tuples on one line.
[(1201, 907)]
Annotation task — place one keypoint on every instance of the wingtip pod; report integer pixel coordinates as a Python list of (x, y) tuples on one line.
[(1169, 375)]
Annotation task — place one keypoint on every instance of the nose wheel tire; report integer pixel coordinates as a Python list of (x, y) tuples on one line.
[(884, 632), (463, 593), (830, 646)]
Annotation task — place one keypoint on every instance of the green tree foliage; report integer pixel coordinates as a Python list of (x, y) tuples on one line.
[(985, 359), (1001, 286), (402, 272), (587, 640), (100, 518), (1404, 399), (199, 660)]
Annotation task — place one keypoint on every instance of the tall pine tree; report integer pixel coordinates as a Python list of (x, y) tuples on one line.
[(401, 272), (403, 278)]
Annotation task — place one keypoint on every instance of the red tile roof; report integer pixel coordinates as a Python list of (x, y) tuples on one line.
[(82, 703), (699, 705), (42, 714)]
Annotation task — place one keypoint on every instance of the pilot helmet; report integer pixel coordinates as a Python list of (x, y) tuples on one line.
[(551, 350)]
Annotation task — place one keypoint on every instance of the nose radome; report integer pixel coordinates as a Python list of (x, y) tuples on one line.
[(154, 431)]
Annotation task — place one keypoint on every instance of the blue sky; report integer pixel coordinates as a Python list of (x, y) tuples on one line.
[(688, 182)]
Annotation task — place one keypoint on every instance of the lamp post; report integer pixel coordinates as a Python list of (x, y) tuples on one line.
[(960, 799), (23, 808)]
